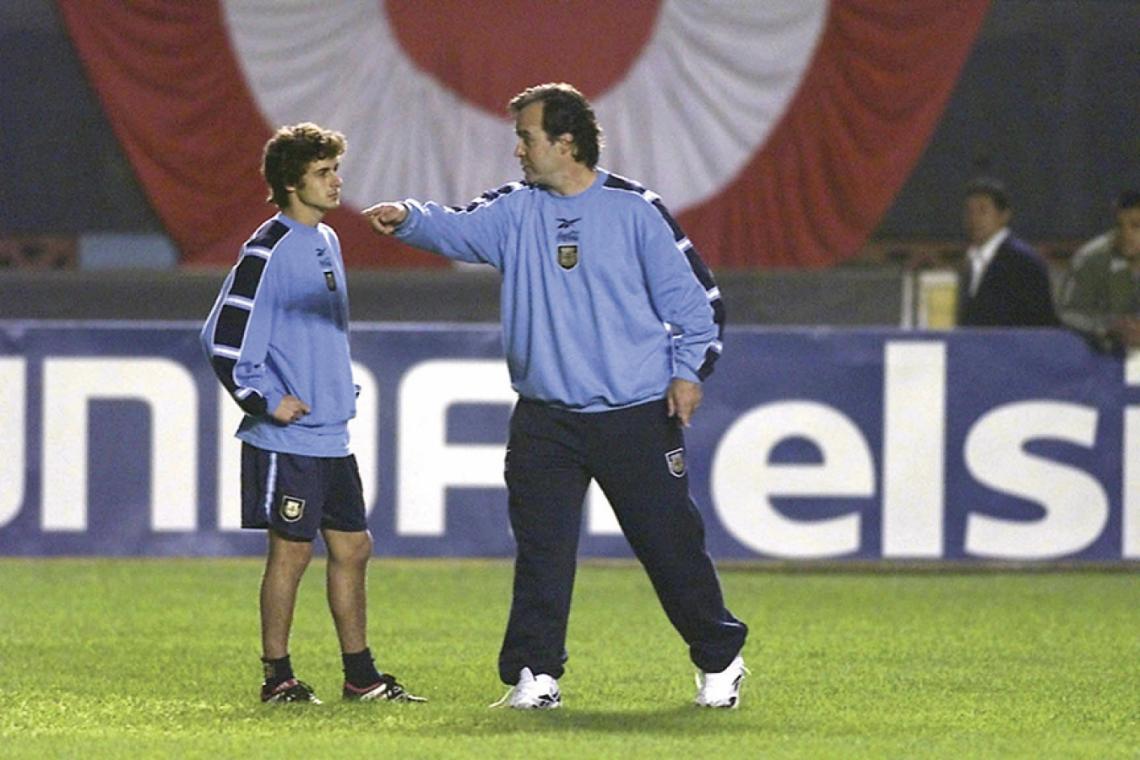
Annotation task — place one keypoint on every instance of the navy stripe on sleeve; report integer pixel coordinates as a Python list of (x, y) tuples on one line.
[(250, 401), (247, 276), (489, 197), (268, 235), (233, 318), (696, 264), (231, 326)]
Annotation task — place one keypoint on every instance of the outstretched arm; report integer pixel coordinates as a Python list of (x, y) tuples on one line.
[(474, 233), (386, 217)]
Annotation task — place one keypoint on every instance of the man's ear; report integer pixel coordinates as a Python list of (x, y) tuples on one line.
[(566, 140)]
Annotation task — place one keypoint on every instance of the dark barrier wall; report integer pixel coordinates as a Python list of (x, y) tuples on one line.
[(811, 444), (848, 296)]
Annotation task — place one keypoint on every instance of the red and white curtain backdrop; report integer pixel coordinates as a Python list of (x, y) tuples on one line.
[(778, 131)]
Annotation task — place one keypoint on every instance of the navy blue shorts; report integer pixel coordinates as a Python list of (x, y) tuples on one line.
[(296, 495)]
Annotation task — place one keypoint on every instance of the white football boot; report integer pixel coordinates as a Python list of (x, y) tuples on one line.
[(722, 689), (532, 692)]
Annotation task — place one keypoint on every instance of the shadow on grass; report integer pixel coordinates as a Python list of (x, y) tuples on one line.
[(688, 720)]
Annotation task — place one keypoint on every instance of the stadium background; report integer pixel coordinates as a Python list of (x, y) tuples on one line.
[(1045, 99), (107, 655)]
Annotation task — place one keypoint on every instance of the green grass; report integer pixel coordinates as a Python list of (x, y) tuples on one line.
[(159, 658)]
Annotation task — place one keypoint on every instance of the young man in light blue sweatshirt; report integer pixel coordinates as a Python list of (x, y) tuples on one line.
[(277, 338), (611, 322)]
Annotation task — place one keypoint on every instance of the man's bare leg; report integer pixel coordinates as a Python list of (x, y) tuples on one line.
[(284, 566), (347, 586)]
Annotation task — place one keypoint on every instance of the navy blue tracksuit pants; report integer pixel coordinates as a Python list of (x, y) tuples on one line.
[(551, 457)]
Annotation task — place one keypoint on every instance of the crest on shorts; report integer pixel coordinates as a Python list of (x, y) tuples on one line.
[(676, 461), (568, 256), (292, 508)]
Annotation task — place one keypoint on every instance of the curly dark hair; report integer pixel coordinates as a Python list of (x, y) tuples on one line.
[(565, 111), (290, 151)]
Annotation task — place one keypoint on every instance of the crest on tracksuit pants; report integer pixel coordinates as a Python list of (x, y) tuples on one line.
[(676, 461)]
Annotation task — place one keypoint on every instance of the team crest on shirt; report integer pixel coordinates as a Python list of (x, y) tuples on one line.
[(676, 461), (292, 508), (568, 256)]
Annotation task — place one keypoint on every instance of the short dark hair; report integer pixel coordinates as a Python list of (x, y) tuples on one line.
[(1127, 199), (990, 187), (290, 151), (564, 111)]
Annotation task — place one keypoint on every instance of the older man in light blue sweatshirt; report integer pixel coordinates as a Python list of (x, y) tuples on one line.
[(611, 322)]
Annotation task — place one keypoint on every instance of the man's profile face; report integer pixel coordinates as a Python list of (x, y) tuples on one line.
[(982, 219), (539, 157), (1128, 230), (319, 188)]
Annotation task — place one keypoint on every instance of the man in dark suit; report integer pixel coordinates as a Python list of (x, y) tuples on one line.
[(1005, 282)]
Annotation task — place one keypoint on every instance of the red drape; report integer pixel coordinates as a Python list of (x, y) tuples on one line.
[(864, 111), (179, 106), (863, 115)]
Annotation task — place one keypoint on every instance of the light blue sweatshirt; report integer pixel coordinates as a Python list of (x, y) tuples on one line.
[(280, 326), (604, 299)]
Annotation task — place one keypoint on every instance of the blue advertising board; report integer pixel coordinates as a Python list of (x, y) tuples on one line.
[(832, 444)]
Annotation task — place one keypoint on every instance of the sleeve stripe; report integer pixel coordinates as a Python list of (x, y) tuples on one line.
[(229, 353), (230, 330), (247, 276), (700, 269), (250, 401), (237, 308), (239, 302), (268, 236), (488, 197)]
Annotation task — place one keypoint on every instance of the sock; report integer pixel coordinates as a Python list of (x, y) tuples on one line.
[(277, 671), (359, 669)]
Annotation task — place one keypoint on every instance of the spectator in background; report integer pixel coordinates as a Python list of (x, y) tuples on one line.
[(1005, 282), (1100, 297)]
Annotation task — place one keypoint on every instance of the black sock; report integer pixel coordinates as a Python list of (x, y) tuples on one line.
[(359, 670), (277, 671)]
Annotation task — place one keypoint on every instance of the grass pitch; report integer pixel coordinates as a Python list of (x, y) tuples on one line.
[(159, 658)]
